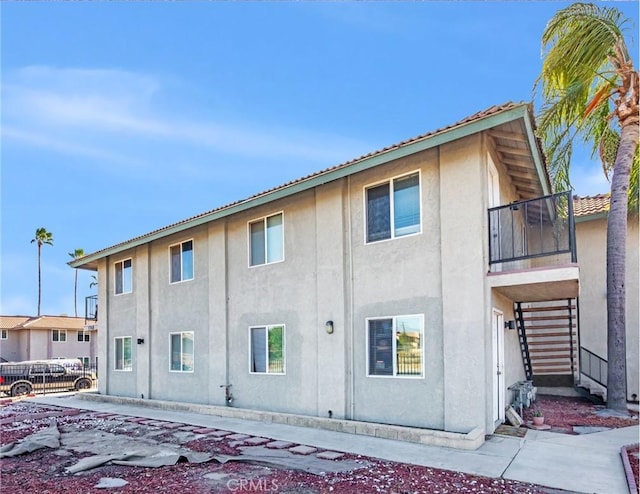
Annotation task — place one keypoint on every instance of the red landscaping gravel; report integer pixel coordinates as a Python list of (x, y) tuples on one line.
[(632, 454), (43, 471), (562, 413)]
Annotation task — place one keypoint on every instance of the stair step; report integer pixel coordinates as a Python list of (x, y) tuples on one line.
[(546, 335), (555, 349), (548, 318), (553, 342), (558, 370), (550, 357), (548, 326), (550, 364), (547, 309)]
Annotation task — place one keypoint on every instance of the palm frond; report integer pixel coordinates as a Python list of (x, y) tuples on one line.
[(634, 188), (579, 43)]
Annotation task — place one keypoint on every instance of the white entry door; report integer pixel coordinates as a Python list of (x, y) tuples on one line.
[(499, 398)]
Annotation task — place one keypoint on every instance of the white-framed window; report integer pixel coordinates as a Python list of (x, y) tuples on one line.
[(181, 351), (85, 361), (266, 240), (84, 336), (267, 349), (393, 208), (59, 335), (124, 276), (395, 346), (122, 360), (4, 334), (181, 258)]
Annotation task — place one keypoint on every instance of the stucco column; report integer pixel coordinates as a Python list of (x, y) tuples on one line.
[(142, 352), (331, 299), (218, 312), (463, 290)]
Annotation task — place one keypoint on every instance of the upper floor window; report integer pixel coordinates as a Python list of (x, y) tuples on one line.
[(393, 208), (395, 346), (123, 359), (59, 335), (182, 351), (181, 261), (267, 349), (266, 240), (84, 336), (124, 278), (4, 334)]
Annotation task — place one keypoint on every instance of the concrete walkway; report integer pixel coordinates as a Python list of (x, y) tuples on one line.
[(587, 463)]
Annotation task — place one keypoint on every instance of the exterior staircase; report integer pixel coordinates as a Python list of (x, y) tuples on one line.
[(549, 341)]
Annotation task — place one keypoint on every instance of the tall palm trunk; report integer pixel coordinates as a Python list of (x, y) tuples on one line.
[(616, 253), (39, 279)]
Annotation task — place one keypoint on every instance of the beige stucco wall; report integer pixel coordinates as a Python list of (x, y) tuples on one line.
[(591, 240), (10, 347), (399, 277), (328, 273)]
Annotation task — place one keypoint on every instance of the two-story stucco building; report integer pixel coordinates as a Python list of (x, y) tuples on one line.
[(380, 290), (47, 337)]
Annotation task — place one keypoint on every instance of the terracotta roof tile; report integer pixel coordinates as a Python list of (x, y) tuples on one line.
[(11, 322), (588, 205), (56, 322), (42, 322)]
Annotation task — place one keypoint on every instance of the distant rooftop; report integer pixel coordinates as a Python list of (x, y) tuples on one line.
[(41, 322), (588, 205)]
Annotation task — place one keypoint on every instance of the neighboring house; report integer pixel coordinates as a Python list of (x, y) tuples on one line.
[(382, 290), (47, 337), (591, 234)]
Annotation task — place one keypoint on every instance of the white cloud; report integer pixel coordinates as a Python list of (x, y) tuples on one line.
[(589, 180), (90, 112)]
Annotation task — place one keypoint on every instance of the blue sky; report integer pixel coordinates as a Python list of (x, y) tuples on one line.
[(120, 117)]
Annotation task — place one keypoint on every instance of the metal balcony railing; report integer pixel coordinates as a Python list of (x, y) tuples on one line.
[(534, 228), (593, 366), (91, 308)]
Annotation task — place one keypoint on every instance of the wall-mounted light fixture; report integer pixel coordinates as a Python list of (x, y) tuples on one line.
[(328, 326), (140, 341), (510, 324)]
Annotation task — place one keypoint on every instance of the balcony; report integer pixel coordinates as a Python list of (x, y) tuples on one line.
[(532, 249), (91, 308)]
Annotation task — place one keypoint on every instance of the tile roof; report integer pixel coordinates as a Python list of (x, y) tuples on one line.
[(588, 205), (489, 112), (10, 322), (42, 322)]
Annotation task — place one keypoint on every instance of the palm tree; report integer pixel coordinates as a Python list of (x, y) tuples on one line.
[(77, 253), (43, 237), (590, 91)]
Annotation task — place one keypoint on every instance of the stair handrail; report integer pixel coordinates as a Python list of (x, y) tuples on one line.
[(571, 356), (601, 362), (528, 369)]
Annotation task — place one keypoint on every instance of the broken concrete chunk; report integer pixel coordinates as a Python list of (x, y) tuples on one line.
[(108, 482)]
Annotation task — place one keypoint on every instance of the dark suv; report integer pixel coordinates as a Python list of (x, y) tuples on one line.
[(19, 378)]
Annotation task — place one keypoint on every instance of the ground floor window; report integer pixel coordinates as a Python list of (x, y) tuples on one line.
[(85, 361), (395, 346), (182, 351), (267, 353), (123, 353)]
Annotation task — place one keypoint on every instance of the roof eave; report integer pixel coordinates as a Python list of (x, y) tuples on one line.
[(365, 163)]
